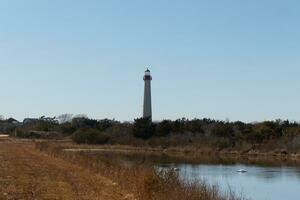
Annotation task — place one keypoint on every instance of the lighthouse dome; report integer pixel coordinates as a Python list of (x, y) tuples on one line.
[(147, 72)]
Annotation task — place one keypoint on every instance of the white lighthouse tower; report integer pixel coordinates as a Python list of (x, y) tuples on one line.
[(147, 95)]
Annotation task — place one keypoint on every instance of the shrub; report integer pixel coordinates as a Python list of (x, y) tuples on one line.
[(292, 132), (90, 136), (223, 143), (83, 122), (67, 128), (194, 126), (143, 128), (163, 128), (222, 130), (80, 137), (104, 124)]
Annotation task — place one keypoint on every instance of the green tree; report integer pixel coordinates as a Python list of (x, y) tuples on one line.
[(163, 128), (143, 128), (66, 128), (90, 136), (223, 130), (194, 126), (104, 124), (83, 122)]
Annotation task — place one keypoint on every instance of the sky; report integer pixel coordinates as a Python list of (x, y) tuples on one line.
[(221, 59)]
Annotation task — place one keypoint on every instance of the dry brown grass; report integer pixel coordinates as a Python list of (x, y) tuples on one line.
[(144, 182), (26, 173)]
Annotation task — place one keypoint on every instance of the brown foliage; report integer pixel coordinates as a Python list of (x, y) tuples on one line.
[(143, 181)]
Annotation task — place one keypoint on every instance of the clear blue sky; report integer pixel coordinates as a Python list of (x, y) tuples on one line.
[(209, 58)]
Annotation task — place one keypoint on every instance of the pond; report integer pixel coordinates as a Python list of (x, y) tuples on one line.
[(258, 183), (260, 180)]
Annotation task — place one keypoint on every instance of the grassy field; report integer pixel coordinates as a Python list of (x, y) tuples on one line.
[(41, 170), (26, 173)]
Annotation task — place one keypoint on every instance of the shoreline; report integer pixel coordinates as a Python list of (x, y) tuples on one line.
[(188, 154), (193, 154)]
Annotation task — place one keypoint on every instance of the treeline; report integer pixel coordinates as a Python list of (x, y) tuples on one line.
[(181, 132)]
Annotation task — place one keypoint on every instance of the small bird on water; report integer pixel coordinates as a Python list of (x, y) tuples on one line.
[(176, 169)]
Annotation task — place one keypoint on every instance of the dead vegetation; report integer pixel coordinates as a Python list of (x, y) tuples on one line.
[(26, 173), (142, 181), (44, 171)]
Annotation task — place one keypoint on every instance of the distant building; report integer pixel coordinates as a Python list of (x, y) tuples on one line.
[(147, 112)]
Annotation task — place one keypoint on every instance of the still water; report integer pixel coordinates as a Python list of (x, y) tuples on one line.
[(259, 183), (264, 180)]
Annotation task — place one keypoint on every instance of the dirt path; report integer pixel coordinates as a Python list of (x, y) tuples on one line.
[(26, 173)]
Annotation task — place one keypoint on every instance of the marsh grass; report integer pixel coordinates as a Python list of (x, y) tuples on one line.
[(142, 180)]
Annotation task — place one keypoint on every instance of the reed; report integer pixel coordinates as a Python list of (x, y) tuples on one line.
[(142, 180)]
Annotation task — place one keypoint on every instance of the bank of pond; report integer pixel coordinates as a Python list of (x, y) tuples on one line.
[(252, 178)]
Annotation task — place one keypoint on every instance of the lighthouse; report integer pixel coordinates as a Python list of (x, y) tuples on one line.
[(147, 95)]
